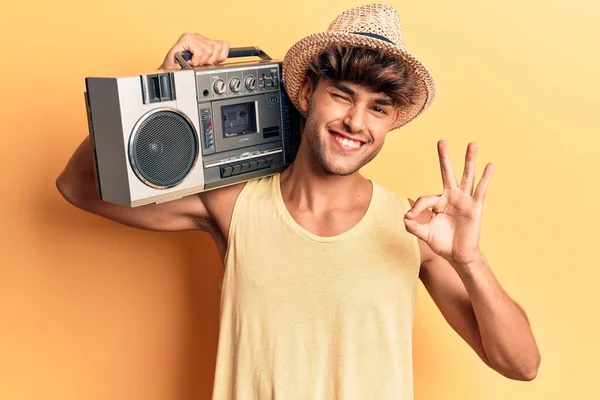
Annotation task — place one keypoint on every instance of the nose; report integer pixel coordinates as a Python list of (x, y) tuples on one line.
[(355, 119)]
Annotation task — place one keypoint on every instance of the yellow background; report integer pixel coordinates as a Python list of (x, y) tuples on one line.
[(92, 310)]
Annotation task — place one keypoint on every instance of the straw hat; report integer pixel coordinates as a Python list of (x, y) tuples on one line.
[(374, 26)]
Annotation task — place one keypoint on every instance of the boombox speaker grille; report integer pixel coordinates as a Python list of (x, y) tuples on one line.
[(163, 148)]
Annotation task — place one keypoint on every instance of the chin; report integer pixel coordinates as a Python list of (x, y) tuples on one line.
[(339, 168), (341, 172), (335, 164)]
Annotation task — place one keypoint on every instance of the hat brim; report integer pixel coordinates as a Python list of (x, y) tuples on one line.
[(297, 59)]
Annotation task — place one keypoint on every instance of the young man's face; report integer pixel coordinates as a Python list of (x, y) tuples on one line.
[(346, 124)]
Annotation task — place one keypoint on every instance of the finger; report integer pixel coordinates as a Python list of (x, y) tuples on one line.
[(419, 230), (170, 63), (421, 204), (481, 188), (224, 52), (216, 52), (448, 177), (468, 179), (221, 52), (200, 52)]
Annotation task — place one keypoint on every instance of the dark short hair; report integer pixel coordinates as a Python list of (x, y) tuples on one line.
[(374, 69)]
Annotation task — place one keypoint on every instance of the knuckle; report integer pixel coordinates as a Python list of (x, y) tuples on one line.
[(190, 36), (199, 51)]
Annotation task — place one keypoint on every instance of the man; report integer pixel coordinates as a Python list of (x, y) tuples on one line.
[(321, 264)]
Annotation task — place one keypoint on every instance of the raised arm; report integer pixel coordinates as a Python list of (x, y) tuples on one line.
[(458, 277), (77, 185)]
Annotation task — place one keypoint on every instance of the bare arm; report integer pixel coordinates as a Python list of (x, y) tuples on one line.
[(77, 182), (77, 185), (479, 310), (457, 276)]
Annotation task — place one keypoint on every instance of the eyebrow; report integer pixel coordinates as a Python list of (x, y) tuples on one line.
[(349, 91)]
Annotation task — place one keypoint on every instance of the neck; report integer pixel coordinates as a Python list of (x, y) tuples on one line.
[(306, 185)]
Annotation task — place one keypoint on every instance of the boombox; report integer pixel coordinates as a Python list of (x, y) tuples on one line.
[(168, 134)]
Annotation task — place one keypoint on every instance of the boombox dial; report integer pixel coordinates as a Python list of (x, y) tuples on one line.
[(250, 82), (220, 86), (235, 85)]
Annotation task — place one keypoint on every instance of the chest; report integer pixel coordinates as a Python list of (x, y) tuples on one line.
[(332, 223), (300, 276)]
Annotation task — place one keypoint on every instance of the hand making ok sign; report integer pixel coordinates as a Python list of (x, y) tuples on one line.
[(455, 225)]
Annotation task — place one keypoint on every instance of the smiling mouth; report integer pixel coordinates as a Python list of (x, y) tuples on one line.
[(345, 142)]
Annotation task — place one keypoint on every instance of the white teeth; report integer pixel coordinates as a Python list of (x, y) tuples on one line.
[(347, 142)]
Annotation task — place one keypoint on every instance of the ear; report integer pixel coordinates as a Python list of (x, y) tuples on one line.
[(305, 94), (397, 116)]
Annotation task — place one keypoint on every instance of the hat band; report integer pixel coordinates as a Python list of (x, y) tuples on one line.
[(375, 36)]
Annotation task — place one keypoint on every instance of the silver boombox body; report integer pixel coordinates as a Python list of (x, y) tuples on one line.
[(161, 136)]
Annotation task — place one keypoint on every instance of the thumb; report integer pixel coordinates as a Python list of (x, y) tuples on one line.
[(419, 230)]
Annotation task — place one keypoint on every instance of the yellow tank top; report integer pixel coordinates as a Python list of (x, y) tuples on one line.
[(305, 317)]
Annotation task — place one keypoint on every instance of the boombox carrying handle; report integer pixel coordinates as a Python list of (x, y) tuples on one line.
[(236, 52)]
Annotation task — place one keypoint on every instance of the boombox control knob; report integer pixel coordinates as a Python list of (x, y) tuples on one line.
[(250, 82), (219, 86), (235, 85)]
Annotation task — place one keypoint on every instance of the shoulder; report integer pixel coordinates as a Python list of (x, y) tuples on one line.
[(406, 203), (220, 204), (403, 204), (397, 203), (386, 195)]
